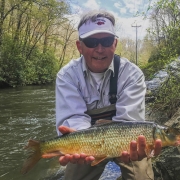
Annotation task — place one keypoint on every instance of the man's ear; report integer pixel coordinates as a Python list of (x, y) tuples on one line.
[(116, 42), (79, 46)]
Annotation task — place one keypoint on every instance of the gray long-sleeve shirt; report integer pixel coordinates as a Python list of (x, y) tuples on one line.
[(76, 92)]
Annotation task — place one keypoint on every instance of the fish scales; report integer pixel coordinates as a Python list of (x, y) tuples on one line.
[(102, 141), (110, 140)]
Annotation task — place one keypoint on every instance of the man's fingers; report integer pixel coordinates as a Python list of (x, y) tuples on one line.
[(65, 129), (157, 148), (125, 157), (89, 159), (81, 160), (74, 158), (141, 147), (64, 159), (133, 151)]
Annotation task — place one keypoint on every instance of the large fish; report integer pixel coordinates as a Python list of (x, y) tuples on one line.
[(102, 141)]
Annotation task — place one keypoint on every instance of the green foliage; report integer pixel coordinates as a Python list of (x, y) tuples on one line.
[(165, 37), (16, 69), (151, 68), (166, 30), (168, 96), (29, 30), (166, 49), (46, 68), (160, 57)]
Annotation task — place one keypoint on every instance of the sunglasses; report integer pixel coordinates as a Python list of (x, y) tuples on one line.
[(94, 42)]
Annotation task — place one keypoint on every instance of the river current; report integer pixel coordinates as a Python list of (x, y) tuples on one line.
[(29, 112)]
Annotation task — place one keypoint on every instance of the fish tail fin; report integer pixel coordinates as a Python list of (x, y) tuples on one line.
[(34, 153)]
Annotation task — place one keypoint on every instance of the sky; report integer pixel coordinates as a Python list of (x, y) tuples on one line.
[(124, 11)]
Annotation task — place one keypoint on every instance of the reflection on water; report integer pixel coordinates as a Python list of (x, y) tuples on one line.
[(29, 112)]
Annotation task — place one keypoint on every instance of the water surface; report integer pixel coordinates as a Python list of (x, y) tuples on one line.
[(29, 112)]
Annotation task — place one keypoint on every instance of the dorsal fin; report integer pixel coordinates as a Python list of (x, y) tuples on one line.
[(103, 121)]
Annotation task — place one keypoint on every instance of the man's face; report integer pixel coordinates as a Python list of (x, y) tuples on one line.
[(99, 58)]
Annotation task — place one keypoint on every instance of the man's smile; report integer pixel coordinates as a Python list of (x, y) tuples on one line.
[(99, 58)]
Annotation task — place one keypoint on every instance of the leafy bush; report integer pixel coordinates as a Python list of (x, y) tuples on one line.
[(18, 69), (151, 68), (168, 95)]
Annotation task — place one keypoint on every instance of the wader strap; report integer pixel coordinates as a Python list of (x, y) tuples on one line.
[(109, 111), (113, 80)]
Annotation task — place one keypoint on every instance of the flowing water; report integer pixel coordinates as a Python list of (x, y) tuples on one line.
[(29, 112)]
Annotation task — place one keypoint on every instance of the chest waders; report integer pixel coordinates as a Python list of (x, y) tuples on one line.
[(109, 111)]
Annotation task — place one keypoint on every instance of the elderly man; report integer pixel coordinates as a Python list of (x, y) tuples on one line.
[(83, 88)]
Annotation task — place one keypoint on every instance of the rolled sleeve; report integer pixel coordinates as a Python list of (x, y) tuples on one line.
[(70, 105)]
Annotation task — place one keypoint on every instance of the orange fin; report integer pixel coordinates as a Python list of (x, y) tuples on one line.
[(98, 160), (52, 154), (34, 155), (149, 151)]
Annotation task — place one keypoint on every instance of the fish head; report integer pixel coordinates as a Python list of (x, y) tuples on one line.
[(168, 135)]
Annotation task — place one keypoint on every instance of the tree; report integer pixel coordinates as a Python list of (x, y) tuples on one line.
[(29, 28), (165, 19)]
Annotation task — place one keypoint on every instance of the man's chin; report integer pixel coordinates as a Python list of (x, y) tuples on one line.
[(98, 69)]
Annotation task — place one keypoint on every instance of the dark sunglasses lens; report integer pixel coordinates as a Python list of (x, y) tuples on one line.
[(91, 42), (107, 42)]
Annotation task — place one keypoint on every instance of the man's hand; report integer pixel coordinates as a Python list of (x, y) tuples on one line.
[(137, 150), (65, 129), (75, 158)]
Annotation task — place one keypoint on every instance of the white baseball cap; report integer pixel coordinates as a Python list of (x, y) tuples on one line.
[(101, 25)]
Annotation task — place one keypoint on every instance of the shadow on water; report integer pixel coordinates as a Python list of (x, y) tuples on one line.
[(29, 112)]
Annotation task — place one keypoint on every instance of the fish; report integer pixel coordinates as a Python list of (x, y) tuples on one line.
[(106, 139)]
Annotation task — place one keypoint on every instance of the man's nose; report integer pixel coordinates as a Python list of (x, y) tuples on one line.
[(99, 48)]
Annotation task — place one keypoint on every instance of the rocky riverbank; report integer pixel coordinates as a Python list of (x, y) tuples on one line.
[(167, 165)]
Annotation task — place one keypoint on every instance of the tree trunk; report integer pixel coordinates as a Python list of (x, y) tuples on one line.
[(2, 6)]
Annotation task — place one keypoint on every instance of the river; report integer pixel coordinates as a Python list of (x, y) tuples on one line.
[(29, 112)]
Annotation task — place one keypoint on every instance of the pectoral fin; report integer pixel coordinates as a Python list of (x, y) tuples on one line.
[(52, 154), (149, 151), (98, 160)]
